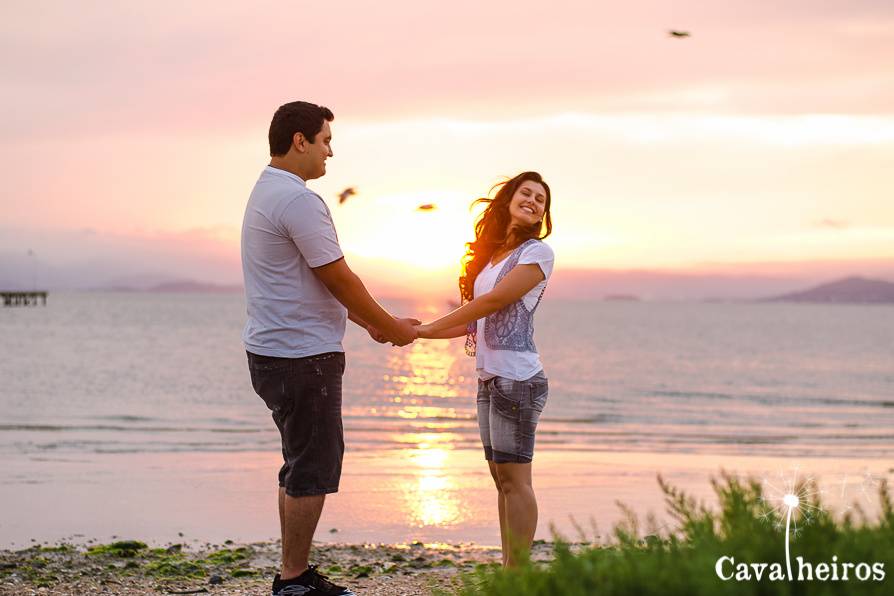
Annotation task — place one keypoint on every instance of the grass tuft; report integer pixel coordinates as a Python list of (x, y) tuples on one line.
[(682, 561)]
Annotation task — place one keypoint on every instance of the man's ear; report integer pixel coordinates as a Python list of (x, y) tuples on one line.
[(299, 142)]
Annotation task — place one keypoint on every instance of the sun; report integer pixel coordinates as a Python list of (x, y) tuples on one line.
[(425, 231)]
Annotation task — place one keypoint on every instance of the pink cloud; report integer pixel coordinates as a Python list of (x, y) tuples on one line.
[(82, 68)]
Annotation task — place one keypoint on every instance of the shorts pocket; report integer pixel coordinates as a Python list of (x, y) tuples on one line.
[(270, 385), (538, 390), (322, 365), (264, 364), (504, 398), (483, 396)]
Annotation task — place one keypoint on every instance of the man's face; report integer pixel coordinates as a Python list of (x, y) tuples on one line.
[(319, 151)]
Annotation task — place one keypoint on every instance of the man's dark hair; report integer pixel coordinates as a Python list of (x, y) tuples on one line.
[(297, 116)]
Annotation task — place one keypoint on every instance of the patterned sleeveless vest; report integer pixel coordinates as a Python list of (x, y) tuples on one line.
[(512, 327)]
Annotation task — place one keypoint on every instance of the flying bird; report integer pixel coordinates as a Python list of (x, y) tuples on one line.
[(679, 33), (425, 207), (343, 195)]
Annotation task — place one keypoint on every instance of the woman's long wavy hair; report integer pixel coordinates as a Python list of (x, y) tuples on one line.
[(492, 229)]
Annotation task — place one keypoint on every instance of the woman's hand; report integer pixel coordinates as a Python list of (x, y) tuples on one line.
[(424, 331)]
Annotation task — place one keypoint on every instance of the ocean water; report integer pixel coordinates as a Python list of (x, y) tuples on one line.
[(130, 372), (131, 402)]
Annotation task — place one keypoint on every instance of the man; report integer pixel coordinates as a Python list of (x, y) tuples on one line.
[(299, 292)]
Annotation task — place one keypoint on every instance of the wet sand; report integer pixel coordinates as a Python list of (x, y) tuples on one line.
[(423, 493)]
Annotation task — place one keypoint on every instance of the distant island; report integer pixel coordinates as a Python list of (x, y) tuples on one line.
[(175, 287), (851, 290), (621, 298), (195, 286)]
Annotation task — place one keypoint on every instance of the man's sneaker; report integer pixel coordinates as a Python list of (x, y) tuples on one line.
[(309, 583)]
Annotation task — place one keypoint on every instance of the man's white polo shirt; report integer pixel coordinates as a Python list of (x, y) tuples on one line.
[(286, 231)]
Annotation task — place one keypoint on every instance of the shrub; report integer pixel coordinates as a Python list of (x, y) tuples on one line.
[(682, 561)]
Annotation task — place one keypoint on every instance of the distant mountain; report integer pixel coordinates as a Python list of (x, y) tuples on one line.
[(186, 286), (853, 290), (652, 285)]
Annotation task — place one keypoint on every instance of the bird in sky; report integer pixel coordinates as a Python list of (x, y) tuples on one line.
[(343, 195), (426, 207), (673, 33)]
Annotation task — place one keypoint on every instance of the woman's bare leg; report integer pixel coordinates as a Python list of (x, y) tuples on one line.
[(501, 508), (520, 510)]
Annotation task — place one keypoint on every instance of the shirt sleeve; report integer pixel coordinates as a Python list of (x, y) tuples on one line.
[(541, 254), (309, 223)]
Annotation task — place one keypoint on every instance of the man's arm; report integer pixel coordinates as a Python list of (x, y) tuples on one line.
[(362, 307), (360, 322), (373, 332)]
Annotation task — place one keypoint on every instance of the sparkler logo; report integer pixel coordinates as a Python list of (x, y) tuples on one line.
[(795, 500), (792, 502)]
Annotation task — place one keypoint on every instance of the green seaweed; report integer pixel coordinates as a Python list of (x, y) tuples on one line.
[(229, 556), (359, 571), (176, 566), (59, 548), (36, 574), (124, 549)]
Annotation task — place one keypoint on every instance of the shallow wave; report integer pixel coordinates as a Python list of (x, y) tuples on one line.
[(774, 400)]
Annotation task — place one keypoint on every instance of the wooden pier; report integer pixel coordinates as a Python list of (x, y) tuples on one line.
[(23, 298)]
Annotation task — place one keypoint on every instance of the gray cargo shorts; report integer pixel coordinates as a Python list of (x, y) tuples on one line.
[(508, 412)]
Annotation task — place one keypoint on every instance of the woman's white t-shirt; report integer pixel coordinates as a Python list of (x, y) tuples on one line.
[(518, 366)]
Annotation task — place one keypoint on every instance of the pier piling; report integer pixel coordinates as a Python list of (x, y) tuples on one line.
[(24, 298)]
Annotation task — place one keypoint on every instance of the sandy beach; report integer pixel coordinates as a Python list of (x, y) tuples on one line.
[(129, 567), (190, 562)]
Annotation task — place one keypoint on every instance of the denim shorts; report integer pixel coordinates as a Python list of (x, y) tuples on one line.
[(304, 396), (508, 412)]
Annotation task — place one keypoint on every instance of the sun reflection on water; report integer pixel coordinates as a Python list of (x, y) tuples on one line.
[(431, 496), (423, 369), (421, 385)]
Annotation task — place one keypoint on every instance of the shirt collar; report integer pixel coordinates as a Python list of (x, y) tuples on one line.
[(280, 172)]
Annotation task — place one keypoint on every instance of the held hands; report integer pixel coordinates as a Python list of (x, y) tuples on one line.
[(404, 334)]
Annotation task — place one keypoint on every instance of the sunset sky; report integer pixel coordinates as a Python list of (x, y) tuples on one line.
[(133, 133)]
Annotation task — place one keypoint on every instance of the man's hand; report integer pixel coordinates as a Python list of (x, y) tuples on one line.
[(376, 334), (406, 332)]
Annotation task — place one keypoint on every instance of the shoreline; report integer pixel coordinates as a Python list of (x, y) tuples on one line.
[(133, 567), (201, 558), (431, 495)]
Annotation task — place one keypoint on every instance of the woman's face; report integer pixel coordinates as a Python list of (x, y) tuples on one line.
[(528, 204)]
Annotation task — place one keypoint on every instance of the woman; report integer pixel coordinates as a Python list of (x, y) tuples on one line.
[(505, 271)]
